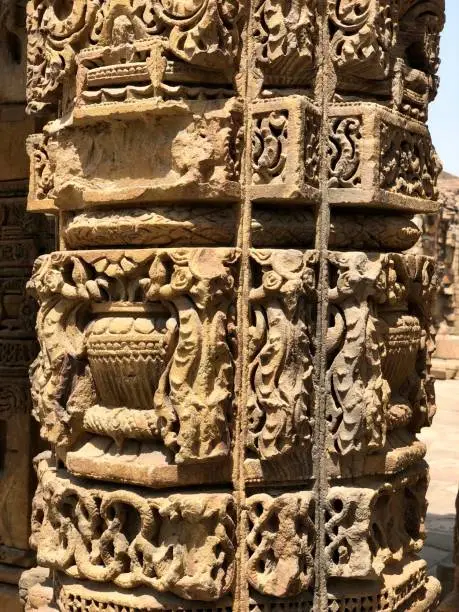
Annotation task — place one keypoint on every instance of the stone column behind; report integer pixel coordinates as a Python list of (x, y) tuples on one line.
[(22, 238)]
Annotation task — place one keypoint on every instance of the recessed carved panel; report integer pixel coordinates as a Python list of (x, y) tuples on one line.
[(281, 395), (372, 154), (285, 149)]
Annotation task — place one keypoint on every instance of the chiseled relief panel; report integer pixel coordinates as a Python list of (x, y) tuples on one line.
[(235, 343)]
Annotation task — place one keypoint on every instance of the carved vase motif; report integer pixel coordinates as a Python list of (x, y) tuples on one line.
[(127, 352)]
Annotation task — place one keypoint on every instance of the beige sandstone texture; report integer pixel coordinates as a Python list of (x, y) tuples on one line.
[(23, 237), (443, 234), (234, 344)]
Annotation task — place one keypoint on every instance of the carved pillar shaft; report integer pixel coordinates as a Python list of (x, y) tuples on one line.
[(234, 347), (22, 238)]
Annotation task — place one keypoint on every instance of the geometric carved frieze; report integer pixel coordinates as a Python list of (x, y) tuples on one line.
[(399, 588), (192, 225), (187, 225)]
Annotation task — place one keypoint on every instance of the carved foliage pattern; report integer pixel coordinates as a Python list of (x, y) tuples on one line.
[(184, 372), (281, 348), (409, 165), (202, 32), (380, 309), (365, 33), (181, 544), (286, 36)]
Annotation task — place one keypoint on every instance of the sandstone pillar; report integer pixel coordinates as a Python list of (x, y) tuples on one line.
[(234, 347), (22, 238), (445, 362)]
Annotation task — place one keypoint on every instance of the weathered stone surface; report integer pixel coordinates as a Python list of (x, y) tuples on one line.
[(22, 238), (235, 345)]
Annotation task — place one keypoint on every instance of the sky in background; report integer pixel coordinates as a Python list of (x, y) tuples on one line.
[(444, 112)]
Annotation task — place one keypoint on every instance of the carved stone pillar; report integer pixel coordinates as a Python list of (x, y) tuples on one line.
[(22, 239), (445, 362), (234, 348)]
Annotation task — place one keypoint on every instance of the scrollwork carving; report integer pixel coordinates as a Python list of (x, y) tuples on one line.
[(344, 153), (380, 312), (168, 315), (364, 33), (409, 165), (281, 349), (181, 544), (269, 147), (281, 543)]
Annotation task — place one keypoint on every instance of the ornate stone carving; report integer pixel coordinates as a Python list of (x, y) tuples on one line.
[(235, 344), (380, 310), (365, 34), (134, 43), (182, 544), (286, 39), (149, 360)]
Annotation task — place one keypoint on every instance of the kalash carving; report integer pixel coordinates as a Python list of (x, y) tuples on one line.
[(235, 345)]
